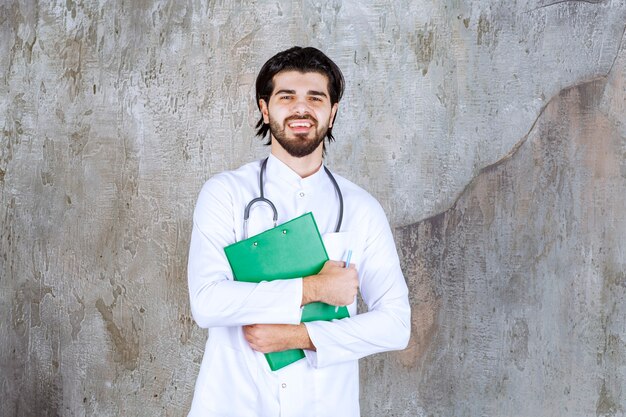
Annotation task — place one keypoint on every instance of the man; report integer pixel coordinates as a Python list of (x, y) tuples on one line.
[(298, 93)]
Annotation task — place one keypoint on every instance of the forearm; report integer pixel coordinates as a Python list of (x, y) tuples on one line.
[(268, 338), (231, 303), (384, 329)]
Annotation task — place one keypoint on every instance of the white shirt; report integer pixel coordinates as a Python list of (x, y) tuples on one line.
[(236, 381)]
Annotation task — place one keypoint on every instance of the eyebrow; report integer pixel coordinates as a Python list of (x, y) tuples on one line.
[(309, 93)]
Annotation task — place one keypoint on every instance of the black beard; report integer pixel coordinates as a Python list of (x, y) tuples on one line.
[(300, 145)]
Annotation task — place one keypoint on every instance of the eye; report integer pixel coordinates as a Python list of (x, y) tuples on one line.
[(315, 98)]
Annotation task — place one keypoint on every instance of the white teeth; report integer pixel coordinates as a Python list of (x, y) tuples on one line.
[(300, 124)]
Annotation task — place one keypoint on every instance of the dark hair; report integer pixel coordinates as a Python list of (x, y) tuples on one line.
[(307, 59)]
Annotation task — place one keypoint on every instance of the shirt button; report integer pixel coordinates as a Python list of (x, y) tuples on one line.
[(284, 385), (301, 194)]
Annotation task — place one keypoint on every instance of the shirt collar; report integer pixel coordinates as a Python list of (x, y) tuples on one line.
[(277, 169)]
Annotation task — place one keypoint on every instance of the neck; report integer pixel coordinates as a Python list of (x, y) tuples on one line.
[(304, 166)]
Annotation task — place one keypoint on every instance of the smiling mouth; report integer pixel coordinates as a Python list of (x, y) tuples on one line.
[(300, 124)]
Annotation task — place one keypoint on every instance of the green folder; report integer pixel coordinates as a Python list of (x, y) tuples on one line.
[(292, 250)]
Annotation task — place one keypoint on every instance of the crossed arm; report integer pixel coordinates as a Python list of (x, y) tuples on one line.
[(217, 301), (334, 284)]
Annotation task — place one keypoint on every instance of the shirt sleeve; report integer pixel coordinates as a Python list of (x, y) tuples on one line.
[(386, 324), (215, 298)]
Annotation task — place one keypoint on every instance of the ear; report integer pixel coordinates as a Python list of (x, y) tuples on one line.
[(264, 111), (333, 113)]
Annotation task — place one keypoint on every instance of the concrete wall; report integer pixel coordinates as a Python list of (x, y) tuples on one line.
[(493, 133)]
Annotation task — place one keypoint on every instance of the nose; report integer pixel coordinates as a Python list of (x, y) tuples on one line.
[(300, 106)]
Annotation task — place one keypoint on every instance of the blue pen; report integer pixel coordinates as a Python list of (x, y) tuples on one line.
[(348, 258), (347, 266)]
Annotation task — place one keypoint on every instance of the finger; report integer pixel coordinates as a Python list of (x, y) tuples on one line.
[(351, 266)]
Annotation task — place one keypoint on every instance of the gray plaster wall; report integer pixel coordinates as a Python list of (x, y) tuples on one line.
[(493, 133)]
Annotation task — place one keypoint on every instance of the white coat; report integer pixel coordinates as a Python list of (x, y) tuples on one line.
[(234, 380)]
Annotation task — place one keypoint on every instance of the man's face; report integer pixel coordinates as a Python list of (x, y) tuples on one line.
[(299, 111)]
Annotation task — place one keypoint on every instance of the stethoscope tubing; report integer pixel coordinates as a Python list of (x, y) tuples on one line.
[(262, 199)]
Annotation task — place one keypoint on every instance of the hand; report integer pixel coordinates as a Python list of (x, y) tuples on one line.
[(266, 338), (334, 284)]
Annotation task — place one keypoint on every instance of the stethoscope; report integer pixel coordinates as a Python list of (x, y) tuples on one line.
[(262, 199)]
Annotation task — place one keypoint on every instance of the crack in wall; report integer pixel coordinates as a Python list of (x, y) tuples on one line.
[(619, 49), (524, 138), (555, 3), (493, 165)]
